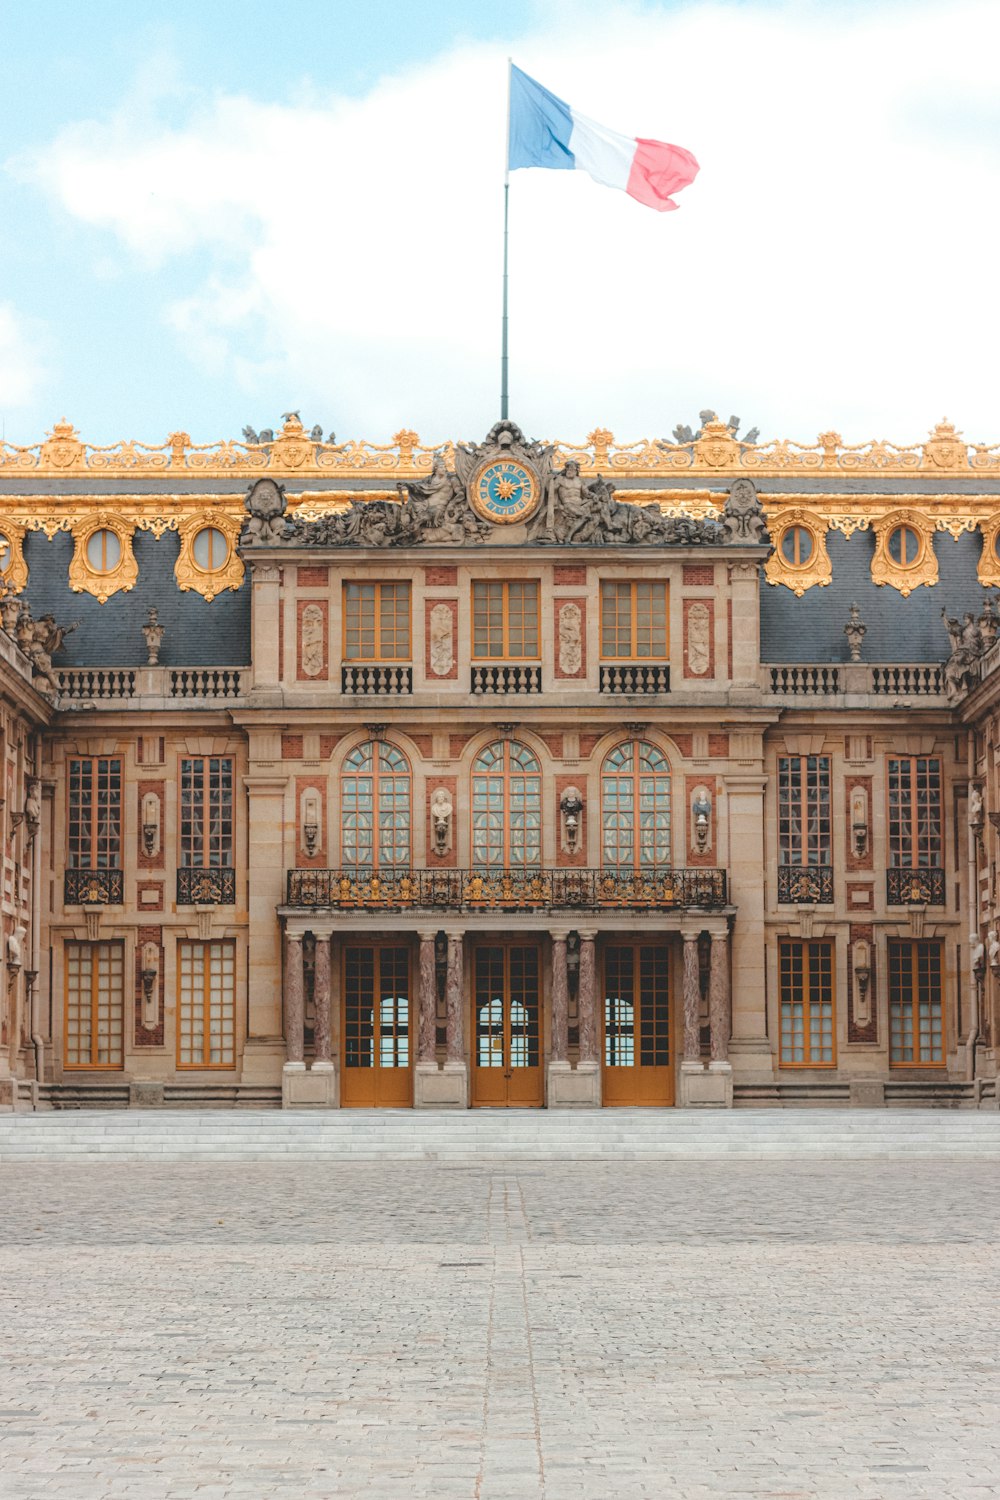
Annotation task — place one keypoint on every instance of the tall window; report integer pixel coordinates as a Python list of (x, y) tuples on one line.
[(506, 807), (806, 993), (207, 812), (95, 813), (914, 812), (635, 807), (916, 1004), (634, 621), (804, 829), (206, 1020), (94, 1012), (505, 621), (375, 807), (376, 622)]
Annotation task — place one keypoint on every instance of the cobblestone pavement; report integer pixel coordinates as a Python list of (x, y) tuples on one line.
[(781, 1331)]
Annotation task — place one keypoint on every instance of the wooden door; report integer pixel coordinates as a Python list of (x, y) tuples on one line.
[(638, 1057), (506, 1026), (375, 1027)]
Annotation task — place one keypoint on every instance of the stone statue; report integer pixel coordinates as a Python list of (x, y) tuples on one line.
[(993, 949), (440, 505), (989, 623), (40, 640), (855, 630), (441, 815), (265, 505), (743, 517), (153, 633), (15, 947), (977, 951), (975, 809), (33, 806), (961, 670), (586, 511)]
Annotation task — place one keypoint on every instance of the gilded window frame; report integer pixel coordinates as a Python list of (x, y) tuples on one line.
[(208, 582)]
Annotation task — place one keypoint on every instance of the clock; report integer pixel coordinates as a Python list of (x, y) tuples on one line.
[(504, 490)]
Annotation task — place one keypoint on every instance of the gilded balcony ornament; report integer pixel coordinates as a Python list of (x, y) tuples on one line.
[(208, 561), (800, 560), (62, 449), (944, 448), (904, 551), (103, 562), (716, 448), (988, 568), (13, 568)]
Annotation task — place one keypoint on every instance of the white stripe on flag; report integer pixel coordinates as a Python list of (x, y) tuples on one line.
[(605, 154)]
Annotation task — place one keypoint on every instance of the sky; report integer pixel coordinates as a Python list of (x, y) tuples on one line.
[(212, 213)]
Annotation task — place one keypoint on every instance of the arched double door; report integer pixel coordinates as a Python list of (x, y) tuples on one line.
[(507, 1024)]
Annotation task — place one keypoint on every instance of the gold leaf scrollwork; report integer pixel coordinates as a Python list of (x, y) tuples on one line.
[(989, 562), (904, 551), (13, 568), (800, 560), (208, 581), (84, 577)]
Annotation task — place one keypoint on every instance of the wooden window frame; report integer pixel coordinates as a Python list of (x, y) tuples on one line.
[(504, 584), (92, 948), (914, 945), (206, 1008), (376, 946), (506, 775), (809, 998), (76, 817), (797, 799), (893, 837), (377, 774), (634, 585), (205, 862), (636, 776), (379, 653)]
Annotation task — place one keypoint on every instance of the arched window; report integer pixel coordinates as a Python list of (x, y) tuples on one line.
[(635, 807), (506, 807), (375, 808)]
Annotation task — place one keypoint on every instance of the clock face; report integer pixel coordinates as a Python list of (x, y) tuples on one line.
[(504, 490)]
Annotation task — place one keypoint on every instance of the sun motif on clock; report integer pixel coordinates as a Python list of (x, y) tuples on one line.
[(504, 490)]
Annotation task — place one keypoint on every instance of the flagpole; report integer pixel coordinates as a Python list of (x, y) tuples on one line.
[(506, 201)]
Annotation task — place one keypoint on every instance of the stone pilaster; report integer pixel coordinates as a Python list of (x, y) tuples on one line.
[(264, 1051), (579, 1087), (692, 1000), (749, 1049), (447, 1087)]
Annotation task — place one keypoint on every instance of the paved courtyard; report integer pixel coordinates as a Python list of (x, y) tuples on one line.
[(785, 1329)]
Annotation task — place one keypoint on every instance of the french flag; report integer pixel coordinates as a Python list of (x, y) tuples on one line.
[(546, 132)]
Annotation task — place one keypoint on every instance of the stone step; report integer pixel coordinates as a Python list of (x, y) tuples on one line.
[(360, 1134)]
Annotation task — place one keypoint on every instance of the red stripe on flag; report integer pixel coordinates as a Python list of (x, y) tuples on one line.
[(657, 171)]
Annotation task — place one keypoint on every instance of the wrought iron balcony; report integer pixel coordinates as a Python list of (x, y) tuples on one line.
[(625, 678), (380, 681), (508, 890), (93, 888), (197, 886), (515, 677), (914, 887), (805, 883)]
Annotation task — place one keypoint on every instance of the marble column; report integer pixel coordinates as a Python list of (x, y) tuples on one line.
[(560, 999), (718, 997), (587, 998), (294, 1002), (427, 1002), (323, 1057), (692, 999), (455, 1000)]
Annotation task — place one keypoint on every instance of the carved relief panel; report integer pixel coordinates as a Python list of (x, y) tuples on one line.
[(699, 637), (441, 632), (313, 640), (571, 638)]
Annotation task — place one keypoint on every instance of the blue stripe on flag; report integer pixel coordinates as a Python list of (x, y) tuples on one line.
[(540, 125)]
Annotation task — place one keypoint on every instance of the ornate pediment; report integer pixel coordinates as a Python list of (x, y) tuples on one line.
[(505, 488)]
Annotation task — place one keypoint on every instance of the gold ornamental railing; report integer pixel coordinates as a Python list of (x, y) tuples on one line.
[(507, 890)]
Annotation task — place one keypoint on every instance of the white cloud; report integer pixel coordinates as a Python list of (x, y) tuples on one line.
[(20, 359), (833, 265)]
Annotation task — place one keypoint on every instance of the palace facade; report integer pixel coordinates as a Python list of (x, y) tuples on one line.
[(499, 774)]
